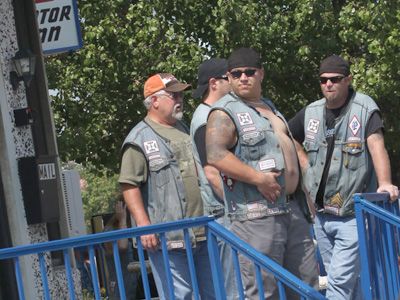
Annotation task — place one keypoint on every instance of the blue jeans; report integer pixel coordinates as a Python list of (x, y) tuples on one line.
[(338, 244), (180, 273), (226, 256)]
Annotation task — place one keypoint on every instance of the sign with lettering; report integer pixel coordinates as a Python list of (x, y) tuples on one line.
[(58, 25), (47, 171)]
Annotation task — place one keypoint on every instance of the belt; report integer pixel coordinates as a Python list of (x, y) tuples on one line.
[(319, 208)]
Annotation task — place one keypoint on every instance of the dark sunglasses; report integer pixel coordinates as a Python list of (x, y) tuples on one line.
[(224, 77), (247, 72), (335, 79)]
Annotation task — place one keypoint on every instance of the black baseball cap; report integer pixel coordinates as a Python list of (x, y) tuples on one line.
[(211, 68)]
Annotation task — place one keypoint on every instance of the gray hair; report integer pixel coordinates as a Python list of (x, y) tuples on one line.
[(147, 102)]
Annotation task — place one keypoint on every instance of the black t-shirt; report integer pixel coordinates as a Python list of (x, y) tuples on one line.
[(200, 141), (296, 126)]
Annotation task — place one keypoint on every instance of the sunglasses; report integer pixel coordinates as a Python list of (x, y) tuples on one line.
[(173, 95), (247, 72), (224, 77), (335, 79)]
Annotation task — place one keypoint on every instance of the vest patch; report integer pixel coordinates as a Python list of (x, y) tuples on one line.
[(267, 164), (310, 137), (354, 139), (246, 129), (354, 125), (244, 119), (151, 147), (230, 182), (313, 125)]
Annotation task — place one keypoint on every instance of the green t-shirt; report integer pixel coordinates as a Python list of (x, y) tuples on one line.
[(134, 169)]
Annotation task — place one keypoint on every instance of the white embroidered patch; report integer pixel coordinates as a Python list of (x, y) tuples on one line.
[(354, 139), (244, 119), (354, 125), (249, 129), (310, 137), (267, 164), (313, 126), (151, 147)]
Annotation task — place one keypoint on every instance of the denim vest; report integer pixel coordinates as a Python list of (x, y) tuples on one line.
[(351, 170), (211, 205), (163, 193), (259, 148)]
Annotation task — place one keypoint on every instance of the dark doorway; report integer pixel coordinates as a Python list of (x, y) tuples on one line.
[(8, 286)]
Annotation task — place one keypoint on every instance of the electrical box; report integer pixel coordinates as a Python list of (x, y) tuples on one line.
[(73, 203), (39, 178)]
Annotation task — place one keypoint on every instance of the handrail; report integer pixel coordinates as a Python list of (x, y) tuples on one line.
[(378, 225), (214, 231)]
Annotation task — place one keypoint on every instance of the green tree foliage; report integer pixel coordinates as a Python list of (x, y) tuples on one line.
[(99, 88)]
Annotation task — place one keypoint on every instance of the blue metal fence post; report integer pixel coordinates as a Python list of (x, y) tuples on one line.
[(118, 271), (69, 275), (238, 278), (18, 276), (216, 269), (170, 280), (192, 267), (43, 273), (93, 271), (260, 283), (143, 269), (365, 270)]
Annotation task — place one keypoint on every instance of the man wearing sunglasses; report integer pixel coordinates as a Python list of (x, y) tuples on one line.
[(212, 84), (159, 182), (342, 153), (248, 141)]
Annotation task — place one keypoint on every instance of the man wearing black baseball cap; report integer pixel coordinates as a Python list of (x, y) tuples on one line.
[(340, 144), (248, 141), (212, 84)]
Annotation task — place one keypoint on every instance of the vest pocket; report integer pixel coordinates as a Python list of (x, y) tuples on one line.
[(249, 143), (160, 170), (353, 157), (312, 152)]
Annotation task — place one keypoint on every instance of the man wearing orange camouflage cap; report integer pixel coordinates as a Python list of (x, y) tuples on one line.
[(159, 182)]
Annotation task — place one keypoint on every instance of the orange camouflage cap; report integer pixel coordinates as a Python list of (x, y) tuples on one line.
[(163, 81)]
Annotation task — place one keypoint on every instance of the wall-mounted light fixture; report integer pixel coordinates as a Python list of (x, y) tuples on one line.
[(24, 68)]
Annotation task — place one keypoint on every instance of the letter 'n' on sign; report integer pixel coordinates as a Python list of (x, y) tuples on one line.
[(59, 25)]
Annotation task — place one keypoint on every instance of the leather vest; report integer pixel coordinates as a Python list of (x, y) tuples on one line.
[(351, 169), (163, 193), (211, 203), (259, 148)]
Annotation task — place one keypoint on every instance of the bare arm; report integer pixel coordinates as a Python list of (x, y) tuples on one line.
[(120, 214), (134, 202), (302, 155), (214, 178), (220, 137), (380, 159)]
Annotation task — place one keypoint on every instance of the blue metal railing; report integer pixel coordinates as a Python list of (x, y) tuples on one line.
[(378, 225), (214, 231)]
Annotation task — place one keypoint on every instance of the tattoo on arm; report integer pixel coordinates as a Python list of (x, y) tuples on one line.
[(220, 135)]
